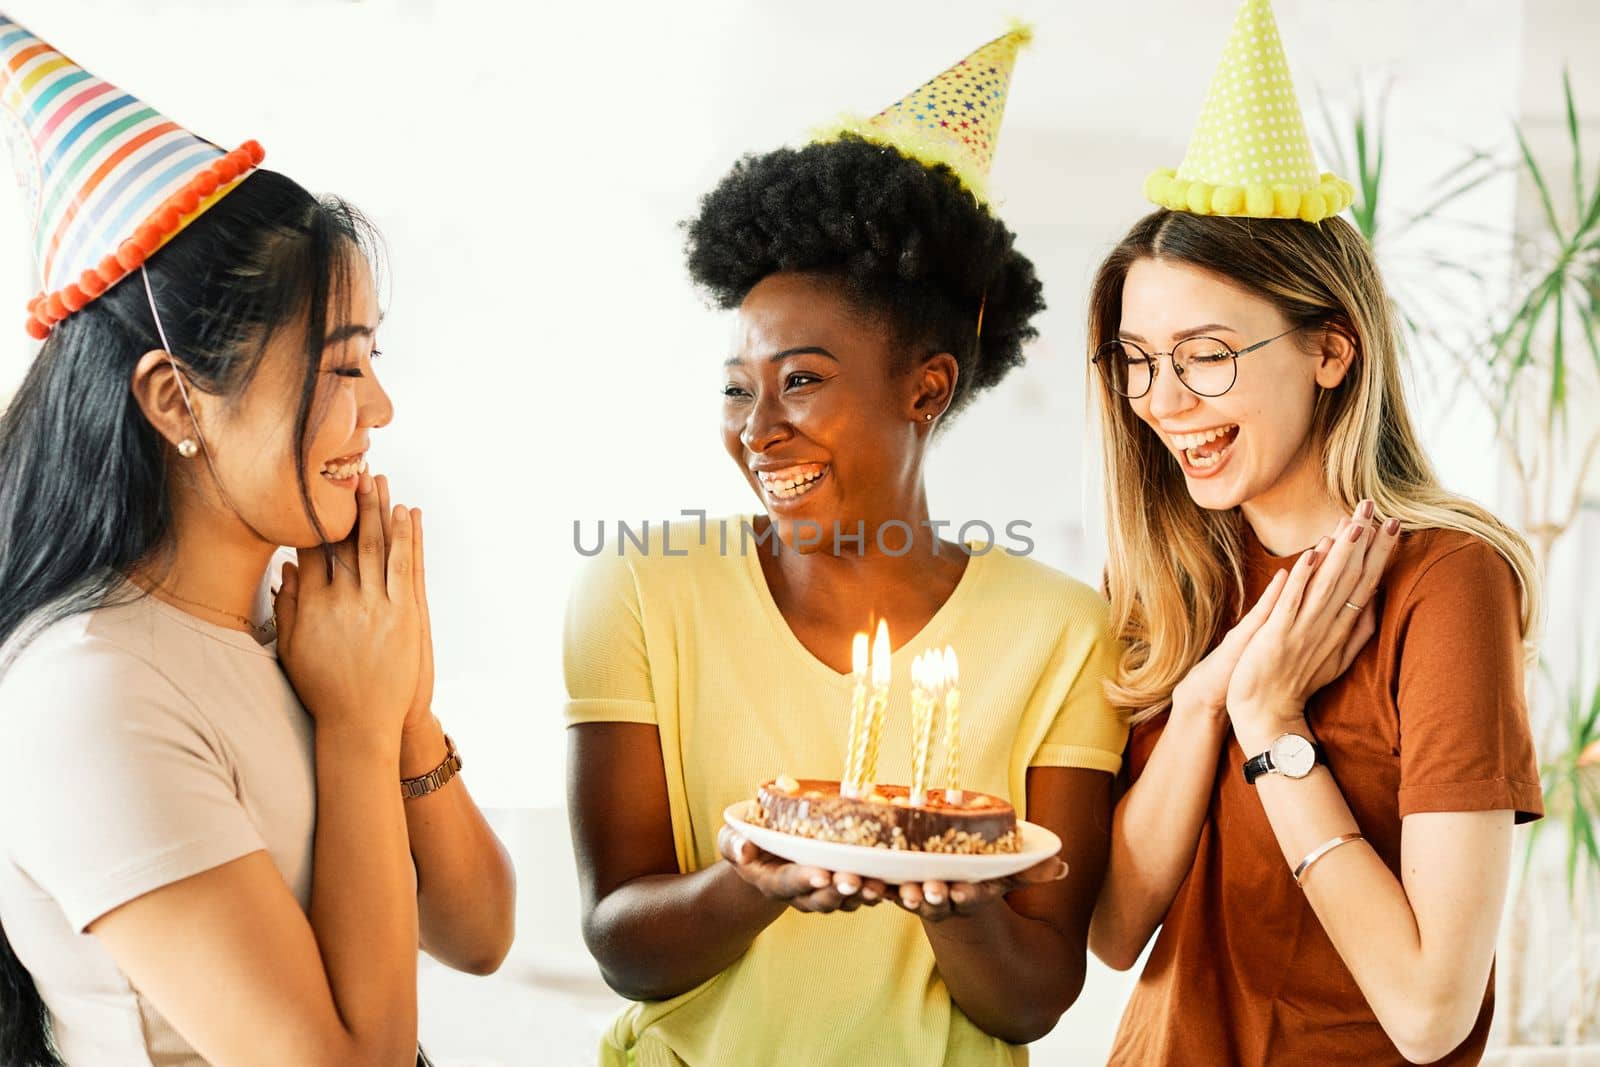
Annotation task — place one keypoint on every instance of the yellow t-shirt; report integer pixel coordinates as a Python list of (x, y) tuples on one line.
[(694, 644)]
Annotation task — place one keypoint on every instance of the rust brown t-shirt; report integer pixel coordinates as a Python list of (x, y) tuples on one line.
[(1429, 717)]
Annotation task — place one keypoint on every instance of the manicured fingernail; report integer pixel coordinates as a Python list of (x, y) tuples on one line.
[(1367, 508), (933, 898), (1355, 533), (848, 889), (1391, 527), (869, 894), (818, 881), (365, 485), (958, 896)]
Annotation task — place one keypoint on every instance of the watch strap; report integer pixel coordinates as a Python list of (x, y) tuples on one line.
[(1256, 766), (436, 779)]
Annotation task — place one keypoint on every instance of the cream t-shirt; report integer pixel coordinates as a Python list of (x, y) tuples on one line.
[(144, 746)]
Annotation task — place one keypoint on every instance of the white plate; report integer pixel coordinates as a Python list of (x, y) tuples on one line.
[(895, 866)]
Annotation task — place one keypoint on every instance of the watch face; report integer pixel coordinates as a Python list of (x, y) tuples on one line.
[(1293, 756)]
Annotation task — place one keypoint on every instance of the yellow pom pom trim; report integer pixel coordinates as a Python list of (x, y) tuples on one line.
[(1227, 200), (1285, 202), (1330, 196)]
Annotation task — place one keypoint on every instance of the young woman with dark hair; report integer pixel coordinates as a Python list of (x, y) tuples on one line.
[(876, 297), (205, 856)]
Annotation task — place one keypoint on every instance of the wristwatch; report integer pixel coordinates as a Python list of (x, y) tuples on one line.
[(1290, 755), (434, 780)]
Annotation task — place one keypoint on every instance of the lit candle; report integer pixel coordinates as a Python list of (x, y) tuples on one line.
[(856, 749), (924, 672), (878, 705), (952, 727)]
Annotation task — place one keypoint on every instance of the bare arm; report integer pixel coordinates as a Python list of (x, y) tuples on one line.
[(1015, 963), (232, 962), (1421, 946), (1157, 822), (1154, 833), (228, 957), (654, 932), (466, 887)]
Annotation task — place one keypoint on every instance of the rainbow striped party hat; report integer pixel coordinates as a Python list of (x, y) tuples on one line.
[(107, 179), (1250, 154), (952, 120)]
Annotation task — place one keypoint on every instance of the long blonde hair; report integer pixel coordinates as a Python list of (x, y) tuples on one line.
[(1174, 571)]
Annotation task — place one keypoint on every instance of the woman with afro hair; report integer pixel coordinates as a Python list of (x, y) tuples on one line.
[(876, 296)]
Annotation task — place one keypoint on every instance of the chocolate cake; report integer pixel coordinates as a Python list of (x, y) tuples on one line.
[(980, 824)]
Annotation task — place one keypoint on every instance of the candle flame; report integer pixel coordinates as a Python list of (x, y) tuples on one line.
[(880, 655), (858, 657), (952, 673)]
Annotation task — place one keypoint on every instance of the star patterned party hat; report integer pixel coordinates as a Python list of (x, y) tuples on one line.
[(107, 179), (1250, 154), (952, 120)]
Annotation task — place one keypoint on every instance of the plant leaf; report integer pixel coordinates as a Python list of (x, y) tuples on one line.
[(1586, 317), (1558, 360), (1577, 140), (1586, 735), (1532, 167)]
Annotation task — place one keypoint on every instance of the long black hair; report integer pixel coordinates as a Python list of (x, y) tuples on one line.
[(84, 476)]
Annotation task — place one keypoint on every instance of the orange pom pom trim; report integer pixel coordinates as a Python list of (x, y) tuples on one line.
[(130, 255), (164, 223)]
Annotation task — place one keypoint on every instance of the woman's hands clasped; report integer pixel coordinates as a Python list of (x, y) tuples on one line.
[(351, 641), (1320, 617)]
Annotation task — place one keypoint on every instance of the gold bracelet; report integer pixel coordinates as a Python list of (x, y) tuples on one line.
[(435, 779), (1322, 850)]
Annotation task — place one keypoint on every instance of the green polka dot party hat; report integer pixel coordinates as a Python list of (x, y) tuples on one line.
[(951, 120), (1250, 154)]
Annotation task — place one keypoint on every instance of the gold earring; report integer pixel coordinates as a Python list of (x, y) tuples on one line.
[(187, 448)]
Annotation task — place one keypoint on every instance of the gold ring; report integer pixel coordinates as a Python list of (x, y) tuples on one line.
[(1354, 606)]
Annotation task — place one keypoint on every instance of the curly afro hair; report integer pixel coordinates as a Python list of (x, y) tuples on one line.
[(902, 239)]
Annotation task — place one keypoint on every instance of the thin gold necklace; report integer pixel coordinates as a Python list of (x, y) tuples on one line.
[(262, 632)]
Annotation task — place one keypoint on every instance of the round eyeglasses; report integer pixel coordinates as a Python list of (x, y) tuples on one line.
[(1205, 365)]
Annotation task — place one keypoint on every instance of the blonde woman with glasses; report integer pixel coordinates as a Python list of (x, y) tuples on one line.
[(1323, 646)]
